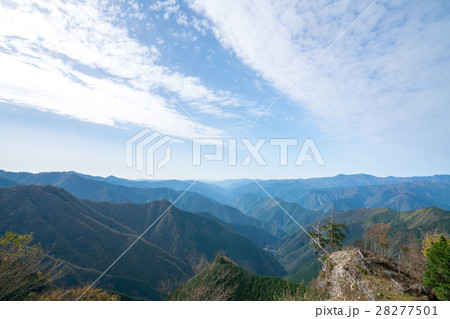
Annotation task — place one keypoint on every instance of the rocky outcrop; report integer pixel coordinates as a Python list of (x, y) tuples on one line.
[(355, 274)]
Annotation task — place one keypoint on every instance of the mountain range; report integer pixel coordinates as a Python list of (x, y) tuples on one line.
[(274, 213), (95, 189), (403, 197), (88, 221), (91, 235), (291, 189)]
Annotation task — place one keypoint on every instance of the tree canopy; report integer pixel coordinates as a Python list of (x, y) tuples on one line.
[(437, 274)]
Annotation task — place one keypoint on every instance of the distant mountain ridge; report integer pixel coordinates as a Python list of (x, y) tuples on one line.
[(343, 191), (267, 210), (290, 189), (6, 182), (99, 190), (403, 197)]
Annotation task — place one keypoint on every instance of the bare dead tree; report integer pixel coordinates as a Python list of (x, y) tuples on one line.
[(317, 241), (331, 243), (378, 237), (199, 263), (411, 260)]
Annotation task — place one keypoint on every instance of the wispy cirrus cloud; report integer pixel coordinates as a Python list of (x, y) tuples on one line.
[(388, 77), (54, 57)]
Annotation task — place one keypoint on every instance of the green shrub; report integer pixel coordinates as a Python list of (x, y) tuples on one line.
[(437, 274)]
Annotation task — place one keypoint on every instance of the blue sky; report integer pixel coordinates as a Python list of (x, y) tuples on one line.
[(79, 78)]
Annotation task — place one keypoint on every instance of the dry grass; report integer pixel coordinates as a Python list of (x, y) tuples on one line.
[(73, 294)]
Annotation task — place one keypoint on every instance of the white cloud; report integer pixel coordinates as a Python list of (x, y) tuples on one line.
[(389, 75), (169, 7), (53, 57)]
